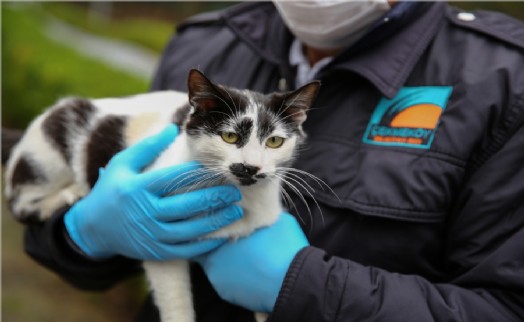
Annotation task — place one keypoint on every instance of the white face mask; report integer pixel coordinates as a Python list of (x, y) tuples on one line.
[(330, 24)]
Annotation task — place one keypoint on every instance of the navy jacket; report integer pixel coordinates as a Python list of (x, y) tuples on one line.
[(418, 129)]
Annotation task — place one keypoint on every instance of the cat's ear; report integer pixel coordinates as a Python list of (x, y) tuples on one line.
[(203, 94), (298, 102)]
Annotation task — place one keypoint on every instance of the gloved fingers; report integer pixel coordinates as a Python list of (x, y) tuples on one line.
[(286, 227), (196, 202), (139, 155), (188, 250), (189, 230), (166, 180)]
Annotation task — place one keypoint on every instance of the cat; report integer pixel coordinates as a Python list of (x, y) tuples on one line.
[(242, 137)]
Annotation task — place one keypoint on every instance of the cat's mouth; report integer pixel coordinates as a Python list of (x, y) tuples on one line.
[(250, 180), (246, 174)]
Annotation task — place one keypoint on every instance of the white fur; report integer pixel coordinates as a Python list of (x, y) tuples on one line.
[(150, 113)]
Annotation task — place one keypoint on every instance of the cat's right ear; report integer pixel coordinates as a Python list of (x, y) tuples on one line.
[(296, 104), (203, 94)]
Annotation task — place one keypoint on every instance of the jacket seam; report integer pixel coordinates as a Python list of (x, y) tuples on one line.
[(344, 289), (423, 43), (384, 211), (493, 32), (289, 280)]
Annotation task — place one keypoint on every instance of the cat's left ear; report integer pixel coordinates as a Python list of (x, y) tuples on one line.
[(298, 102), (203, 93)]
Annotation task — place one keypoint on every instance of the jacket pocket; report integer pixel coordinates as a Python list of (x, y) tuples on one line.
[(397, 183)]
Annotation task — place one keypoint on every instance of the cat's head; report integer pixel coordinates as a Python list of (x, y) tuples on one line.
[(244, 135)]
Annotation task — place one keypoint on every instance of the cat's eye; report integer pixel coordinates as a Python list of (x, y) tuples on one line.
[(230, 137), (274, 142)]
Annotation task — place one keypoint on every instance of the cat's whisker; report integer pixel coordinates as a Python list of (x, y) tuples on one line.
[(296, 176), (305, 188), (228, 106), (219, 112), (310, 193), (167, 174), (203, 180), (183, 178), (280, 120), (286, 198), (236, 108), (323, 185), (298, 193), (281, 109), (293, 174)]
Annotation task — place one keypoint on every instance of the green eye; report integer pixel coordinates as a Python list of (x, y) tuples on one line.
[(274, 142), (229, 137)]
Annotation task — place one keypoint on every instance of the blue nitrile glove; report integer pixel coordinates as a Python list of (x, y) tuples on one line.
[(249, 272), (125, 213)]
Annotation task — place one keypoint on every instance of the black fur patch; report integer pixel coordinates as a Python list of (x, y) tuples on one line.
[(243, 130), (214, 105), (26, 172), (76, 111), (181, 115), (266, 124), (81, 111), (106, 140)]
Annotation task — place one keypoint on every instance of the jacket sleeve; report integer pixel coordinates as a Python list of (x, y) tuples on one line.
[(483, 263), (49, 244)]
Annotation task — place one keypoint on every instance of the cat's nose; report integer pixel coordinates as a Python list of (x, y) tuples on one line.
[(243, 170)]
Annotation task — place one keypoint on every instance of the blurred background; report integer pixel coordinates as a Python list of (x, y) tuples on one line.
[(93, 49)]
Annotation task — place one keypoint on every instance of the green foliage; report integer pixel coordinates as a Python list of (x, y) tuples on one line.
[(37, 71), (515, 9), (150, 33)]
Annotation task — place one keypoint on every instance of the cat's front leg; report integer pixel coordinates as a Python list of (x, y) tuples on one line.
[(171, 286)]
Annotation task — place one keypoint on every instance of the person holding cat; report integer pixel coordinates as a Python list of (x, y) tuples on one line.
[(418, 129)]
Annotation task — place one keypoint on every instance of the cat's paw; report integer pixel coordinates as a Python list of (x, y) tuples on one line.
[(65, 197)]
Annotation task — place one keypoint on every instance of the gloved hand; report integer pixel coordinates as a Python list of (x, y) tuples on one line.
[(125, 213), (249, 272)]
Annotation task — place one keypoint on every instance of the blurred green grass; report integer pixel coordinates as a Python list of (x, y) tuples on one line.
[(152, 34), (36, 71)]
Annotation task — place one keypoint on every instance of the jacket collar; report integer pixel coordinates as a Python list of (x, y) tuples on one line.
[(259, 25), (385, 57)]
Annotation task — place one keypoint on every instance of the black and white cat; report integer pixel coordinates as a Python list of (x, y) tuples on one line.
[(242, 137)]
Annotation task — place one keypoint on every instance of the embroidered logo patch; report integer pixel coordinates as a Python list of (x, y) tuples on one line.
[(409, 119)]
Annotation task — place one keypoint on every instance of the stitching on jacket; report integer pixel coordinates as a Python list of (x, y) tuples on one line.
[(513, 121), (434, 154)]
